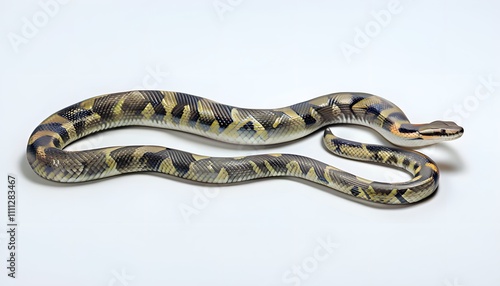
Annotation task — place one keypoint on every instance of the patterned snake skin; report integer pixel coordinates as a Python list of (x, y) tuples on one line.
[(179, 111)]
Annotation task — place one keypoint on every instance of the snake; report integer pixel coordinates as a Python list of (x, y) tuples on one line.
[(226, 123)]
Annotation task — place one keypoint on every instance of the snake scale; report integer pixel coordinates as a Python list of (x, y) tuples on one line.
[(197, 115)]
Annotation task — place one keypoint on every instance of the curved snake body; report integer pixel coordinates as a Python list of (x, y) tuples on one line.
[(180, 111)]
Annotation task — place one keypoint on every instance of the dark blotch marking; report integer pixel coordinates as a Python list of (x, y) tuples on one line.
[(79, 127), (374, 109), (403, 129), (340, 141), (374, 148), (134, 105), (155, 98), (367, 195), (346, 108), (435, 176), (77, 116), (399, 196), (69, 112), (222, 114), (264, 117), (308, 119), (393, 117), (205, 123), (44, 141), (406, 162), (302, 109), (392, 159), (193, 117), (354, 191), (387, 123), (180, 160), (184, 99), (247, 127), (205, 120), (57, 143), (54, 127), (276, 163), (177, 112), (123, 157), (104, 106), (355, 99), (152, 160), (160, 111), (267, 118), (399, 115)]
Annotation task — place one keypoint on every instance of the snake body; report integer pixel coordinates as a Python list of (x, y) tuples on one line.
[(197, 115)]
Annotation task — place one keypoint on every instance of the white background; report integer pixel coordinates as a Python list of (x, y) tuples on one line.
[(431, 58)]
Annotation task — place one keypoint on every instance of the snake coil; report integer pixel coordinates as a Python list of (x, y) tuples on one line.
[(197, 115)]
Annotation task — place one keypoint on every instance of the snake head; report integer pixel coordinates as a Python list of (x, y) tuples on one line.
[(440, 130)]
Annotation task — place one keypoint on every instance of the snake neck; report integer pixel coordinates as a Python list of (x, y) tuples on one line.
[(367, 110), (386, 118)]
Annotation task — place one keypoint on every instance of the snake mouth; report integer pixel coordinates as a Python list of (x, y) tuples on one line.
[(444, 130)]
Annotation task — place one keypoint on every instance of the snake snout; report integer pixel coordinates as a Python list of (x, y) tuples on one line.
[(442, 129)]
